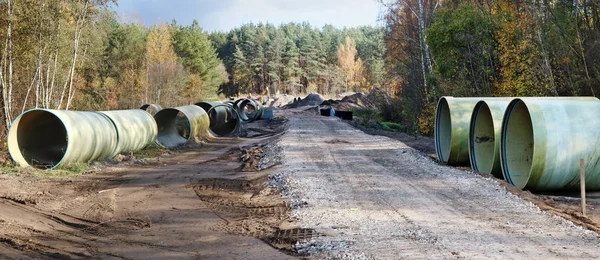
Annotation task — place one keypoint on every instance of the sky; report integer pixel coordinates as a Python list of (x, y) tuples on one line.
[(224, 15)]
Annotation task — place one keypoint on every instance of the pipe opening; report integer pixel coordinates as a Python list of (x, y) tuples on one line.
[(223, 120), (174, 128), (483, 143), (443, 130), (42, 139), (518, 143), (247, 110)]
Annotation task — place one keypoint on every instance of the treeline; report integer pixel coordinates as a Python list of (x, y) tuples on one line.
[(76, 54), (298, 58), (490, 48)]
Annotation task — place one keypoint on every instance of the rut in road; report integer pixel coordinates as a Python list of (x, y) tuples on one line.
[(378, 198)]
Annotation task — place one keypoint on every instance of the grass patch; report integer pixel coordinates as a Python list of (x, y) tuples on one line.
[(74, 169), (373, 119), (393, 127), (152, 151)]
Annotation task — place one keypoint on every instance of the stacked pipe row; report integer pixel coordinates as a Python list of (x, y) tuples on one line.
[(532, 143), (46, 138)]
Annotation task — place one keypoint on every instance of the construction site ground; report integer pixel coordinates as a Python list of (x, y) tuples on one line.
[(298, 186)]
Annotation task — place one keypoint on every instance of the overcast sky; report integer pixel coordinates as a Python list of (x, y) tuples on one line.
[(223, 15)]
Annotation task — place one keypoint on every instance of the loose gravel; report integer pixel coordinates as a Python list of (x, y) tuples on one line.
[(372, 197)]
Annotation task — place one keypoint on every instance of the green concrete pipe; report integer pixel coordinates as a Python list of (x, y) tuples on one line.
[(452, 120), (484, 135), (46, 138), (176, 126), (543, 139), (225, 127), (136, 129), (249, 110), (219, 116), (222, 122), (151, 108)]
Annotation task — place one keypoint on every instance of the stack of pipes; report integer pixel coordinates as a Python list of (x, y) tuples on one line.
[(534, 143)]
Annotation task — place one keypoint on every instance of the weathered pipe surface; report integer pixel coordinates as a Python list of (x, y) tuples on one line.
[(179, 124), (226, 126), (136, 129), (484, 135), (218, 116), (151, 108), (543, 140), (452, 121), (46, 138), (249, 110)]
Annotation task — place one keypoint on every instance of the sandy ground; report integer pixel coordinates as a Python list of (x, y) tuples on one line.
[(191, 204), (320, 189), (375, 197)]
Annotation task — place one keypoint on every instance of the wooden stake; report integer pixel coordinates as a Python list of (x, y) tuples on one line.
[(582, 181)]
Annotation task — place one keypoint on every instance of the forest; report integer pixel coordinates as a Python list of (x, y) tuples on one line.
[(78, 54), (490, 48)]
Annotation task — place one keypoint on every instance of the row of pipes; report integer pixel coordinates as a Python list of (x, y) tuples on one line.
[(532, 143), (47, 138)]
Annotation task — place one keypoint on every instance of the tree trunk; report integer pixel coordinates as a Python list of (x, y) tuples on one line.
[(7, 84), (69, 82)]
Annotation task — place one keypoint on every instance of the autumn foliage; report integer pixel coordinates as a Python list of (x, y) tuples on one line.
[(490, 48)]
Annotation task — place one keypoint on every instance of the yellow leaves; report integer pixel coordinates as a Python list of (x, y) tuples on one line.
[(159, 47), (351, 65)]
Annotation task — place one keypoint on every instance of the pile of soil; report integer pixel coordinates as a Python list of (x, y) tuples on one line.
[(313, 99), (282, 101), (373, 100)]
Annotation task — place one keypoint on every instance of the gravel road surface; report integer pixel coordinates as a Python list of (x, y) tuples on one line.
[(376, 198)]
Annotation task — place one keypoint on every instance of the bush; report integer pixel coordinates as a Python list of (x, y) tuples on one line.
[(425, 120), (367, 118), (393, 127)]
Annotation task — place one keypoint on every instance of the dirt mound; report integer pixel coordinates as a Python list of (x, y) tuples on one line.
[(313, 99), (282, 100), (373, 100), (378, 97)]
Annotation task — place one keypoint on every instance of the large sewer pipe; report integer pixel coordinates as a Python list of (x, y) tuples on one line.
[(151, 108), (249, 110), (176, 126), (136, 129), (224, 119), (484, 135), (543, 140), (452, 120), (46, 138), (229, 125)]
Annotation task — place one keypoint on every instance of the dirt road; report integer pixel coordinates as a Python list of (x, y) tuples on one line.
[(374, 197), (191, 204), (351, 195)]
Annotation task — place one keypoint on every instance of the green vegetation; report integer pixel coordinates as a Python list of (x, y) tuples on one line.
[(298, 58), (393, 127), (62, 171), (489, 48), (64, 54), (152, 151), (367, 118)]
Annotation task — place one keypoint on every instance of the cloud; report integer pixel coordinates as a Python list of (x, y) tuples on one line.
[(224, 15)]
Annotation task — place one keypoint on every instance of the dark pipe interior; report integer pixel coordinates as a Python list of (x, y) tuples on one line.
[(42, 139), (231, 120)]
